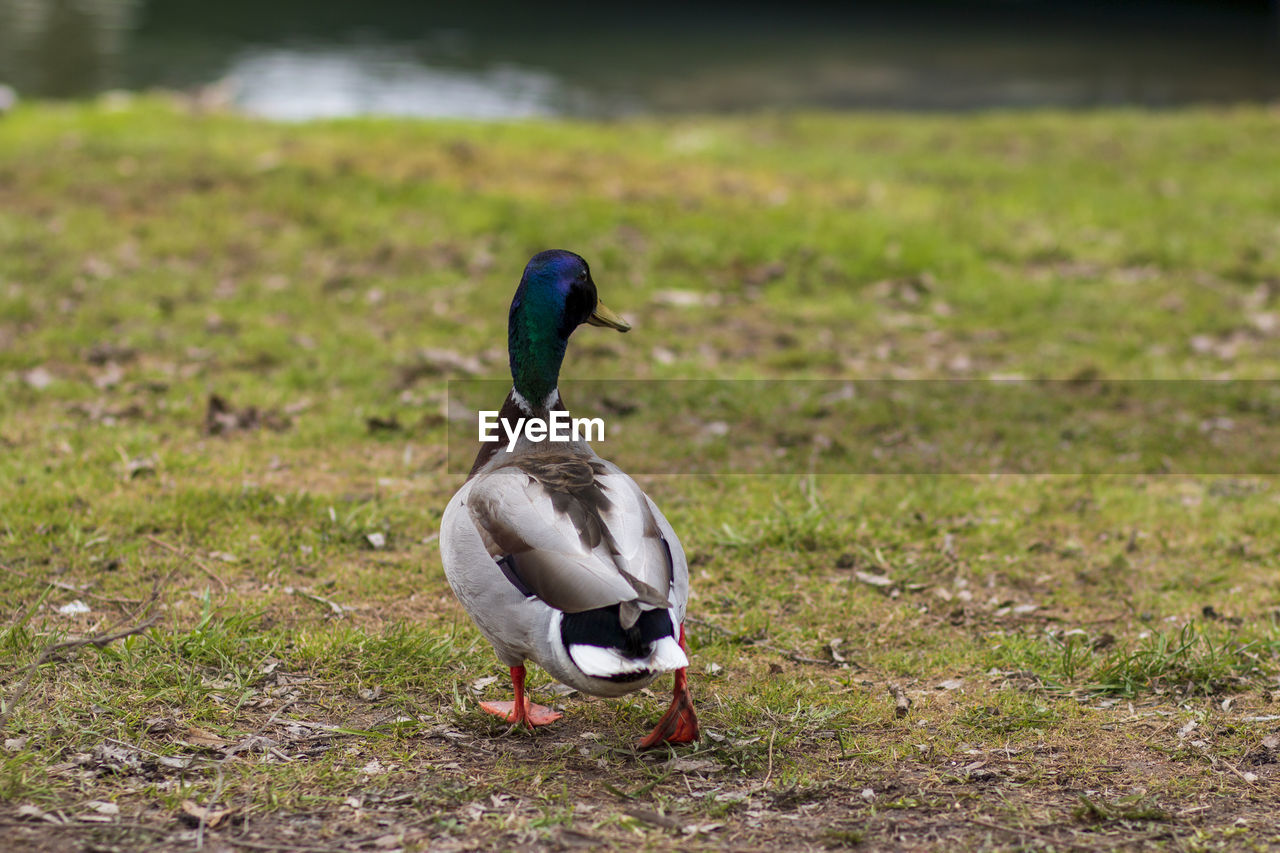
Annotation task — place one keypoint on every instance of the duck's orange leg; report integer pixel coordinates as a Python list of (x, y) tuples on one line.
[(521, 711), (680, 723)]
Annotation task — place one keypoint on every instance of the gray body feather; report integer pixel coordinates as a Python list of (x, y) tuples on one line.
[(581, 535)]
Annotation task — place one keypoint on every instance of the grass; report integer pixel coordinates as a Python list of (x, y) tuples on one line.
[(1092, 661)]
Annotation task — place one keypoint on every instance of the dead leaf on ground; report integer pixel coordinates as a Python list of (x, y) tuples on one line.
[(764, 273), (701, 828), (905, 292), (100, 412), (558, 689), (38, 378), (650, 816), (113, 758), (221, 418), (574, 838), (103, 811), (196, 814), (110, 376), (685, 298), (436, 362), (253, 743), (202, 737), (377, 424), (873, 580), (159, 725), (106, 352), (174, 761), (30, 812), (693, 765), (1105, 640), (140, 466)]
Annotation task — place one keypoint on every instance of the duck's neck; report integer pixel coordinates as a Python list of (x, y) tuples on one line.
[(535, 346), (513, 412), (535, 407)]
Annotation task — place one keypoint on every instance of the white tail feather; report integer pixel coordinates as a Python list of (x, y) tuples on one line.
[(600, 662)]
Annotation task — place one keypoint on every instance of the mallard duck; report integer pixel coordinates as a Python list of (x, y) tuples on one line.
[(557, 555)]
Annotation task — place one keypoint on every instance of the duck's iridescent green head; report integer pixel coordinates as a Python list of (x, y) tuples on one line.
[(556, 296)]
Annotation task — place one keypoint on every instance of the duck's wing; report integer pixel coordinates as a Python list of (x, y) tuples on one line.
[(574, 531)]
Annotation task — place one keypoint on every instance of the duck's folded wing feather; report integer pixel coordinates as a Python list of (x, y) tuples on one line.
[(577, 542), (636, 538)]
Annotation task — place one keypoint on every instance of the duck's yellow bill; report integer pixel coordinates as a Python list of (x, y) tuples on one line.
[(602, 316)]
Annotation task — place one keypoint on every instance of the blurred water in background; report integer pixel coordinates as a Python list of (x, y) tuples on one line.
[(299, 60), (327, 82)]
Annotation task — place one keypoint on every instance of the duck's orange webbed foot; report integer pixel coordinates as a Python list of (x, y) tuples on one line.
[(521, 711), (680, 723)]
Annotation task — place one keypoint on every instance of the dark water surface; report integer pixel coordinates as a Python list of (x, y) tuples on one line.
[(294, 60)]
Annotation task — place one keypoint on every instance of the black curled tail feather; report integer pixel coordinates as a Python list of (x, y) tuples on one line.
[(603, 627)]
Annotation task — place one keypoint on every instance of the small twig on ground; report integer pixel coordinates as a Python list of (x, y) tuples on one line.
[(338, 609), (347, 844), (901, 701), (650, 816), (1236, 770), (236, 841), (790, 654), (725, 632), (70, 587), (769, 773), (129, 826), (194, 560), (49, 651), (98, 640), (328, 730), (271, 721), (209, 807), (127, 745), (1031, 833)]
